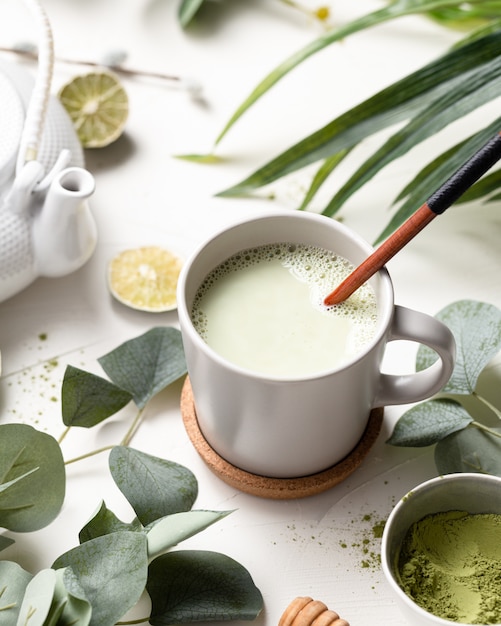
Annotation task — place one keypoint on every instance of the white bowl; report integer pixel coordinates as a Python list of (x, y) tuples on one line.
[(474, 493)]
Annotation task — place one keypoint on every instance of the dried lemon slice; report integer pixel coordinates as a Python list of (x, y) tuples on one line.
[(145, 278), (98, 107)]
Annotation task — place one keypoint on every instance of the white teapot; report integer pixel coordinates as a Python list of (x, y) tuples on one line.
[(46, 227)]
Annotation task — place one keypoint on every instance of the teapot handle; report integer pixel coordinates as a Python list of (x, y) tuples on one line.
[(37, 108)]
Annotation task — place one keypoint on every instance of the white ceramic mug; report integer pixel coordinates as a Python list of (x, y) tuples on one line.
[(287, 428)]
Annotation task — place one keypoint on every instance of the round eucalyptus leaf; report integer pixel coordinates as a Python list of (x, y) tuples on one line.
[(5, 542), (105, 522), (469, 450), (75, 608), (33, 478), (429, 422), (476, 327), (112, 572), (154, 487), (13, 582), (88, 399), (198, 586), (146, 364), (172, 529), (38, 598)]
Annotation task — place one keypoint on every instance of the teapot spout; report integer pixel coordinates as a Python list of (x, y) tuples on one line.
[(64, 231)]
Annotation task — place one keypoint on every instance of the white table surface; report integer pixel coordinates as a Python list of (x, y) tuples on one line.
[(144, 196)]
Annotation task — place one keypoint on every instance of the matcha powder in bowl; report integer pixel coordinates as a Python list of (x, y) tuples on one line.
[(450, 564), (441, 551)]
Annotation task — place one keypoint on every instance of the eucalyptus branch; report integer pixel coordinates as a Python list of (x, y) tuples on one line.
[(133, 428), (155, 489), (448, 419), (63, 435), (125, 441), (488, 404), (87, 455), (486, 429)]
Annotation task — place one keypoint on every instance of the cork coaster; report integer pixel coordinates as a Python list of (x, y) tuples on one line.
[(276, 488)]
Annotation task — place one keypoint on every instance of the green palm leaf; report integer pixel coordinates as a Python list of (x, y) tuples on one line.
[(323, 173), (438, 171), (484, 187), (396, 9), (398, 102), (187, 11), (466, 16), (427, 101), (485, 29), (474, 89)]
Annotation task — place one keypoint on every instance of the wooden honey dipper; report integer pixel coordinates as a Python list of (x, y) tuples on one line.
[(304, 611)]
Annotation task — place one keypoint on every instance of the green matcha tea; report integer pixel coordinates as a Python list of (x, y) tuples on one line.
[(450, 565)]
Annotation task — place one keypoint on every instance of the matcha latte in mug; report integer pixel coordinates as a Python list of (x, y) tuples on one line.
[(262, 309), (283, 386)]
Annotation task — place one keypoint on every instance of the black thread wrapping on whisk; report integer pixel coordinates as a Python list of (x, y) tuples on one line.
[(466, 176)]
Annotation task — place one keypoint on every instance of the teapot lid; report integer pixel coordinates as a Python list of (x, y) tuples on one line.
[(12, 116)]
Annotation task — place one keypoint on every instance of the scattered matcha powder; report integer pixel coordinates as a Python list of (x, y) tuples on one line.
[(42, 379), (369, 544)]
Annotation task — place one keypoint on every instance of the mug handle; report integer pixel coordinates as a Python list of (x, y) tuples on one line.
[(413, 325)]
